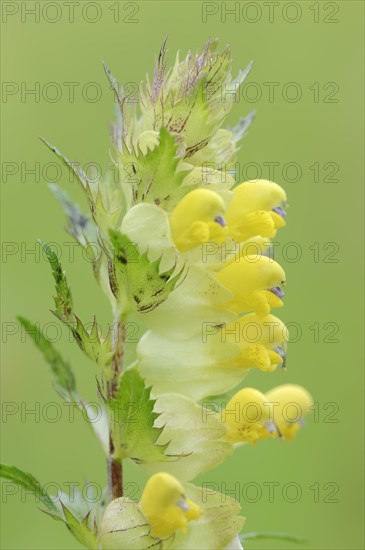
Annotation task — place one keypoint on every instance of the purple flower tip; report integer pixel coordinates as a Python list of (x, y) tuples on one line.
[(277, 291), (220, 220), (279, 210)]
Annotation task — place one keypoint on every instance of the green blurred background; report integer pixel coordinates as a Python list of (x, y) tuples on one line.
[(320, 135)]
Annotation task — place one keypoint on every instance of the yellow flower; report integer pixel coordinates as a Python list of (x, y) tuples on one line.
[(197, 218), (165, 506), (256, 283), (262, 341), (290, 404), (251, 415), (256, 209), (245, 416)]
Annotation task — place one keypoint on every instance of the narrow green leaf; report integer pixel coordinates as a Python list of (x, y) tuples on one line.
[(72, 169), (80, 529), (95, 347), (113, 83), (28, 482), (82, 228), (63, 298), (64, 379), (79, 225), (272, 535), (242, 127), (62, 372), (134, 418)]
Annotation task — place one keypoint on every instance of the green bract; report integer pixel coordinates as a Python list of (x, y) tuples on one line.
[(124, 526)]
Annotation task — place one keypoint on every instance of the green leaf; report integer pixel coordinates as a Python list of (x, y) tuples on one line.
[(156, 178), (79, 225), (242, 127), (113, 83), (94, 346), (65, 383), (272, 535), (72, 169), (80, 529), (133, 416), (133, 273), (63, 375), (63, 298), (107, 206), (125, 110), (28, 482), (82, 228), (64, 380), (105, 201)]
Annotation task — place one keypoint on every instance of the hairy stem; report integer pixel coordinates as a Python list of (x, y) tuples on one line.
[(115, 473), (115, 467)]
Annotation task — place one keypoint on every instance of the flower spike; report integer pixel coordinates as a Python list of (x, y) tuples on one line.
[(191, 312)]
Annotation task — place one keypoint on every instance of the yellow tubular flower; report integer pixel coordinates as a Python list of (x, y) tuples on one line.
[(256, 209), (256, 282), (245, 416), (165, 506), (262, 341), (197, 218), (290, 403)]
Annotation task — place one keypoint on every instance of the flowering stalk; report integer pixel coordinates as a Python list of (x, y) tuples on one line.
[(187, 253)]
